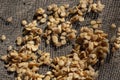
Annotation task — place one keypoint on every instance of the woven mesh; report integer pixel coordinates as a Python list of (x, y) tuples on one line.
[(24, 9)]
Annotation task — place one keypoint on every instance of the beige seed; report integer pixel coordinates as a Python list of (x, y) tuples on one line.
[(47, 78), (40, 11), (3, 37), (62, 37), (9, 19), (95, 26), (63, 42), (43, 20), (24, 22), (19, 40), (45, 15), (93, 22), (99, 21), (119, 29), (9, 48), (81, 19), (39, 17), (84, 5), (63, 14), (47, 42), (4, 58), (50, 7), (61, 63), (71, 36), (66, 6), (113, 26), (55, 39)]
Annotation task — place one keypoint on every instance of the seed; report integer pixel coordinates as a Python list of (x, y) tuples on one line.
[(3, 37), (92, 56), (66, 6), (40, 11), (81, 19), (9, 19), (63, 42), (9, 48), (99, 21), (24, 22), (95, 26), (43, 20), (113, 26), (61, 63), (62, 37), (55, 39), (19, 40), (50, 7), (45, 15), (71, 36), (83, 5), (47, 78), (119, 29), (39, 17), (93, 22), (4, 58), (63, 14), (47, 42)]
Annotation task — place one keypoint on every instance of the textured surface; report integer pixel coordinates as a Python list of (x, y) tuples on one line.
[(24, 9)]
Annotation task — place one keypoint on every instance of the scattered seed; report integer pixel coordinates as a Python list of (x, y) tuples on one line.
[(9, 19), (113, 26), (24, 22), (3, 37)]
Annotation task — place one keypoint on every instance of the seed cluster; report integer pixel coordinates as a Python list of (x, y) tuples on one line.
[(91, 45), (116, 41), (58, 30)]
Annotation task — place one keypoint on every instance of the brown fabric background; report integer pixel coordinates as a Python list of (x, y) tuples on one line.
[(24, 9)]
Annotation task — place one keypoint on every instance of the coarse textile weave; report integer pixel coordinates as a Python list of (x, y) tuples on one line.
[(25, 9)]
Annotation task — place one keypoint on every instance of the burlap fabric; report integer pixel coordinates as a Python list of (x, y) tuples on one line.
[(24, 9)]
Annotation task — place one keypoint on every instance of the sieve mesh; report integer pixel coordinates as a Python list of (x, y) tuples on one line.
[(24, 9)]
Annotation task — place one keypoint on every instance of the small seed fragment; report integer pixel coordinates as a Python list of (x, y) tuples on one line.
[(113, 26), (24, 22), (3, 37)]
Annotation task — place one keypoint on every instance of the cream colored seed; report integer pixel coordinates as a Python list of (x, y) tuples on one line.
[(66, 6), (43, 20), (81, 19), (47, 42), (63, 42), (24, 22), (113, 26), (3, 37), (47, 78), (55, 39), (63, 14), (40, 11), (4, 58), (118, 29), (95, 26), (99, 21), (9, 48), (93, 22), (61, 63), (62, 37), (9, 19), (39, 17), (83, 5), (49, 7), (71, 36), (44, 15), (19, 40)]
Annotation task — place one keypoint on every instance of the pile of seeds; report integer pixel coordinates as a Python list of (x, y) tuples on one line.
[(91, 45), (58, 30)]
